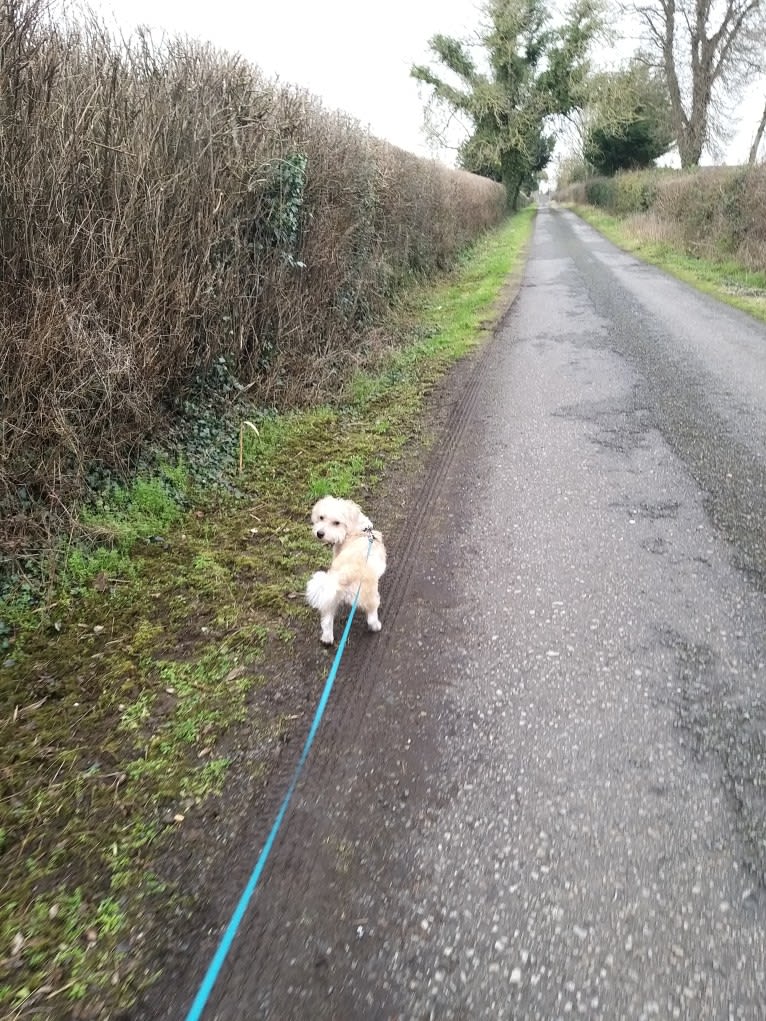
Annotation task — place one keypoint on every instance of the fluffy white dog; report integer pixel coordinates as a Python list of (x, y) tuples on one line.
[(356, 565)]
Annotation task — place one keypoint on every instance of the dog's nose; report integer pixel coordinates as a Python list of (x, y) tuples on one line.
[(320, 535)]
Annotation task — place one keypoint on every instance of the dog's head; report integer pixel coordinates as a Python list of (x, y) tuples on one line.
[(333, 519)]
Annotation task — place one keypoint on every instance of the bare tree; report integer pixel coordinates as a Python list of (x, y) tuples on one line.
[(757, 140), (706, 49)]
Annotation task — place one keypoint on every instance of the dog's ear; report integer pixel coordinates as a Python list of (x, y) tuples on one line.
[(357, 520)]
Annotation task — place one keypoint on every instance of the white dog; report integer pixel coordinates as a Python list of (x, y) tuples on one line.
[(358, 561)]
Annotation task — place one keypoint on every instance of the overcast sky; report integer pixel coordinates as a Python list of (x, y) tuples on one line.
[(355, 56)]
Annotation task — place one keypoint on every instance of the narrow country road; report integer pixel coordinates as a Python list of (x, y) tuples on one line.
[(541, 790)]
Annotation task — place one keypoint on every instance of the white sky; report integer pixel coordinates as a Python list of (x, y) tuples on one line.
[(354, 55)]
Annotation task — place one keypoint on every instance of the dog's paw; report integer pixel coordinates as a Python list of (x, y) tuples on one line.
[(374, 625), (327, 639)]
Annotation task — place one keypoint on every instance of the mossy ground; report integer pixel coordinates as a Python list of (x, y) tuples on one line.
[(723, 278), (118, 690)]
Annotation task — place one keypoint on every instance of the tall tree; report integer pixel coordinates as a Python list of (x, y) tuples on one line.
[(703, 47), (629, 119), (531, 71)]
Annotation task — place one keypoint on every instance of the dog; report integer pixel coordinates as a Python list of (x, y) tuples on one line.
[(358, 561)]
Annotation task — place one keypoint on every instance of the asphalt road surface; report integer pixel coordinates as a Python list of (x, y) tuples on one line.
[(541, 790)]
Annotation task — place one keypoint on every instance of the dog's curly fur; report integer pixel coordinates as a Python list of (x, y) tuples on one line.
[(356, 565)]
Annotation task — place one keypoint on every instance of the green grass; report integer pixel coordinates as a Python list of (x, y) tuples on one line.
[(166, 618), (723, 279)]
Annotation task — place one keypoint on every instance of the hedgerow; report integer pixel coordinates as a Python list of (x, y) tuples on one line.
[(165, 210)]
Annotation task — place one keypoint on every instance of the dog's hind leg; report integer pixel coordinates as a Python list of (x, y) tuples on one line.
[(327, 619), (370, 603), (323, 594), (373, 621)]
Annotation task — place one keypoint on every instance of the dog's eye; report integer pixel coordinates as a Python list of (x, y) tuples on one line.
[(336, 524), (321, 517)]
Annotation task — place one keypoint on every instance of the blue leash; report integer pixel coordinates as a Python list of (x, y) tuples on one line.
[(205, 989)]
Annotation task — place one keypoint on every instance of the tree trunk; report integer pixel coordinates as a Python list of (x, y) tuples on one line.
[(512, 189), (757, 140), (689, 146)]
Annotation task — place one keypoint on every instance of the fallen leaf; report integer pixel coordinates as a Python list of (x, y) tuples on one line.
[(238, 671)]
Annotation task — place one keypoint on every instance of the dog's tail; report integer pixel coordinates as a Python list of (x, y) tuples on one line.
[(322, 590)]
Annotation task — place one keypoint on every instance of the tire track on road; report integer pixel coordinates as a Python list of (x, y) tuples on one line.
[(288, 873)]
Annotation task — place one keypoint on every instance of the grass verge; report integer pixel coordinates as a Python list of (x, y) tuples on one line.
[(724, 279), (117, 691)]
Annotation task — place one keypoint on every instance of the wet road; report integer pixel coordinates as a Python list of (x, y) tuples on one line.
[(541, 791)]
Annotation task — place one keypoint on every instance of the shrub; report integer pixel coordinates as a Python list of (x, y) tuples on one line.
[(635, 192), (601, 191)]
